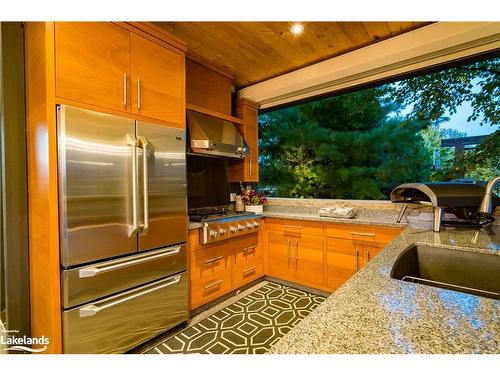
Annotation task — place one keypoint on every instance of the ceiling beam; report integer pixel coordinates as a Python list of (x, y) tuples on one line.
[(425, 47)]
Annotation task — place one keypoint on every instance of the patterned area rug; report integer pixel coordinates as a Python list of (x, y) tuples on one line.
[(249, 326)]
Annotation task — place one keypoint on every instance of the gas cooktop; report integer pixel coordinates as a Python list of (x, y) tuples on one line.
[(219, 216)]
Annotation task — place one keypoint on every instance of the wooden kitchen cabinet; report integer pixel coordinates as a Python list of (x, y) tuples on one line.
[(295, 251), (157, 81), (309, 260), (343, 260), (92, 61), (248, 260), (121, 68), (368, 251), (247, 170), (350, 247), (279, 257), (221, 267), (211, 270)]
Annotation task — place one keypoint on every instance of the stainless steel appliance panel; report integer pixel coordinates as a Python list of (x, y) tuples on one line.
[(162, 180), (91, 282), (123, 321), (95, 174)]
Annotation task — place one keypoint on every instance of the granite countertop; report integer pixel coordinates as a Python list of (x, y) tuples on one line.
[(373, 313), (368, 217)]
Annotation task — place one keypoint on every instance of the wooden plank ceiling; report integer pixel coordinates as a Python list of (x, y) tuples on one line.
[(256, 51)]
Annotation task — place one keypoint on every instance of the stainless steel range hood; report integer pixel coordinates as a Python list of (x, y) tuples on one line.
[(213, 136)]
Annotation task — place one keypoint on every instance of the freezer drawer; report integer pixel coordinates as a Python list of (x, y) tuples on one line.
[(88, 283), (123, 321)]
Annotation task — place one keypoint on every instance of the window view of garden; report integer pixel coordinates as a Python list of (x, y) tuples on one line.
[(441, 126)]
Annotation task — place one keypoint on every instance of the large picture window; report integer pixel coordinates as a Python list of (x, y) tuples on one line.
[(440, 126)]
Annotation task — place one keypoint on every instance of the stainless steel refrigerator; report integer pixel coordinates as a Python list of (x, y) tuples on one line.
[(123, 230)]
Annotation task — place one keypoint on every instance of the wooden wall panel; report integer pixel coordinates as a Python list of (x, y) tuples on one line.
[(42, 184)]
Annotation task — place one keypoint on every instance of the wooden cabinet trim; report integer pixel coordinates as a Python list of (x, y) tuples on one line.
[(45, 304), (155, 33), (210, 112)]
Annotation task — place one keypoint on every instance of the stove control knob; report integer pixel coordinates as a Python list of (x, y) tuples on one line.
[(255, 224), (222, 231), (232, 229), (213, 233), (240, 227), (249, 226)]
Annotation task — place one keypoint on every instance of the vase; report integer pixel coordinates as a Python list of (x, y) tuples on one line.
[(257, 208)]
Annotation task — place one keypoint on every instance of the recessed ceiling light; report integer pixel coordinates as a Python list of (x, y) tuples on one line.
[(296, 28)]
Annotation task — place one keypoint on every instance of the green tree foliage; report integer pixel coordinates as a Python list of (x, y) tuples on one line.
[(342, 147), (352, 146), (432, 95), (481, 164)]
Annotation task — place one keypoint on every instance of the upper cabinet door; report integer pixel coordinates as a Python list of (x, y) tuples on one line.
[(93, 63), (158, 81)]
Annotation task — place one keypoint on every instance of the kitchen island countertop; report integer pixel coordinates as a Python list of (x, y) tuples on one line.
[(373, 313)]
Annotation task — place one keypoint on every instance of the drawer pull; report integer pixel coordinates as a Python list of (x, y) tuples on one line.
[(94, 271), (357, 257), (248, 270), (214, 259), (292, 227), (215, 283), (249, 248), (363, 234), (93, 309)]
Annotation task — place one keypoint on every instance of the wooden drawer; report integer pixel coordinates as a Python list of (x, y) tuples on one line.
[(247, 248), (209, 261), (250, 269), (291, 227), (206, 289), (362, 233)]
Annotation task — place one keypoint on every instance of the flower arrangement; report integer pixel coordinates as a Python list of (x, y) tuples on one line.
[(251, 197)]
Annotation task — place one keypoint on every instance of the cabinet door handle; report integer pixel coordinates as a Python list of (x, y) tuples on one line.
[(357, 257), (139, 99), (363, 234), (215, 283), (124, 89), (293, 227), (249, 248), (249, 167), (250, 269), (296, 250), (288, 248), (368, 256), (214, 259)]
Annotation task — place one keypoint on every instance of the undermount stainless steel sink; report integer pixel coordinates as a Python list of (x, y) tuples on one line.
[(462, 271)]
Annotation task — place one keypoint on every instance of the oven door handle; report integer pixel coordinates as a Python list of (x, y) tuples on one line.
[(93, 309), (94, 271)]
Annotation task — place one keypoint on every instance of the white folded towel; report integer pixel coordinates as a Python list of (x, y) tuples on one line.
[(337, 211)]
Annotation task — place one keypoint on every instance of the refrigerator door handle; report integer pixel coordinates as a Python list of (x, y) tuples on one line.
[(143, 141), (93, 309), (94, 271), (134, 228)]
